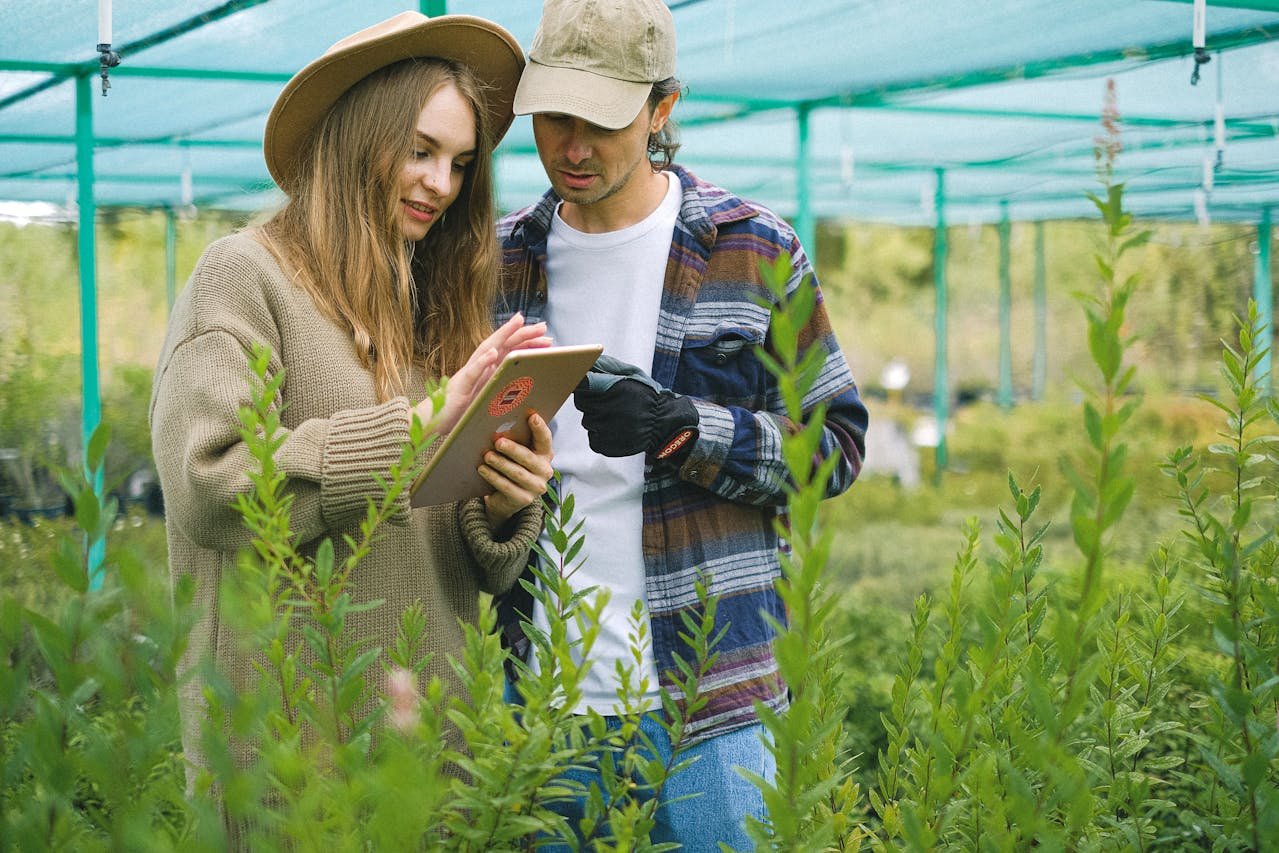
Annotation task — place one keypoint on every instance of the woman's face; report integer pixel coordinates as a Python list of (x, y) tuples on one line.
[(443, 147)]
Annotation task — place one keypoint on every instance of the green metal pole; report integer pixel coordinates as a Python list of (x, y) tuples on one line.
[(803, 213), (941, 381), (433, 8), (1039, 368), (1005, 395), (90, 394), (1262, 293), (170, 256)]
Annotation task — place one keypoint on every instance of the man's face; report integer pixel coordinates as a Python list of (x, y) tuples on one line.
[(588, 164)]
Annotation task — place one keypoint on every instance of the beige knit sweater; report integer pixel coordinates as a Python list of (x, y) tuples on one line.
[(337, 437)]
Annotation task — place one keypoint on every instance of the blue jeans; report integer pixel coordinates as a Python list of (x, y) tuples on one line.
[(711, 799)]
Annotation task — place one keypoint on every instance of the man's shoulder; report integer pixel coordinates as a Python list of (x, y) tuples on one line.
[(537, 215), (728, 211), (506, 224)]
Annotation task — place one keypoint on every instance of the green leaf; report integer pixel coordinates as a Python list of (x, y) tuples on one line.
[(1255, 768), (1118, 501), (88, 511), (97, 449), (1092, 424), (1140, 239), (68, 564), (324, 562), (1087, 537), (1239, 519)]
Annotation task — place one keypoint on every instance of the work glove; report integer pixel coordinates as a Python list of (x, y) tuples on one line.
[(626, 412)]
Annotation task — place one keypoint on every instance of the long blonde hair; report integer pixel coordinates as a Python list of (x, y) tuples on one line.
[(427, 303)]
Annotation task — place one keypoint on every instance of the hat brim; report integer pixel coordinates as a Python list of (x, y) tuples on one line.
[(604, 101), (490, 52)]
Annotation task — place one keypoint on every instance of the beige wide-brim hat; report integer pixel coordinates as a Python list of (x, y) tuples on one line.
[(490, 52)]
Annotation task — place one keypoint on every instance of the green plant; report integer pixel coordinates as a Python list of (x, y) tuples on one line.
[(1227, 497), (1060, 692), (325, 770), (88, 745), (312, 723), (1034, 726), (812, 802)]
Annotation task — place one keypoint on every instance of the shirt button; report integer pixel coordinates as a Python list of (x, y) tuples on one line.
[(694, 474)]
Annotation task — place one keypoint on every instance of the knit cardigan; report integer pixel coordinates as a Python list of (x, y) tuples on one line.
[(337, 437)]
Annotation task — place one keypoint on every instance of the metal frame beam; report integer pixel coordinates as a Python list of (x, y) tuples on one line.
[(86, 245), (941, 367), (1263, 295), (1004, 396), (1039, 365)]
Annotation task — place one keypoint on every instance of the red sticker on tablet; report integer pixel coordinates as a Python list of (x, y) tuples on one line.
[(510, 397)]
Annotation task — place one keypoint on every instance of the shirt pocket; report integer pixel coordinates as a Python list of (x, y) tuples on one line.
[(723, 367)]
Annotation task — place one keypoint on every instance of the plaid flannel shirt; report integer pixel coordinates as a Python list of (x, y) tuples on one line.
[(716, 513)]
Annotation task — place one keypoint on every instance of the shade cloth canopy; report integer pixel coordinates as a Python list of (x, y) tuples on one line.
[(863, 109)]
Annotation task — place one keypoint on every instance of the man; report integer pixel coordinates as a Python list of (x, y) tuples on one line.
[(674, 459)]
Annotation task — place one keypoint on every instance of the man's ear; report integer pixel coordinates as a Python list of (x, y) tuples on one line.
[(663, 112)]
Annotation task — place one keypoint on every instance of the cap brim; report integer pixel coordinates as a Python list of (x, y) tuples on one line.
[(604, 101), (489, 51)]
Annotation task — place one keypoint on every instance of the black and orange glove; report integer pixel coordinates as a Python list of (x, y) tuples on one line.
[(626, 412)]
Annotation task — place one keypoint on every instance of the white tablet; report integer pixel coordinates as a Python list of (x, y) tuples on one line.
[(527, 381)]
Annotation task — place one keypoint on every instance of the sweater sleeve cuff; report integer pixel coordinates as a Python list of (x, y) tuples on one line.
[(362, 444), (500, 557)]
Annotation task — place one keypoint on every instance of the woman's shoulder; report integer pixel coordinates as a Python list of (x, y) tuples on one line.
[(236, 269), (236, 284), (241, 254)]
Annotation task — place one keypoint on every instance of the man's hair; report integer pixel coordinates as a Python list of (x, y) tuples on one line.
[(424, 304), (663, 144)]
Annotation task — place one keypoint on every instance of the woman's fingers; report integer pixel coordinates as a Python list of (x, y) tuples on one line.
[(541, 444), (530, 337), (463, 385), (502, 332), (483, 363), (517, 473), (514, 334), (527, 467)]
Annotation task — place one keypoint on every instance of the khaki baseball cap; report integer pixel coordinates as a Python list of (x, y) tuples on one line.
[(597, 59)]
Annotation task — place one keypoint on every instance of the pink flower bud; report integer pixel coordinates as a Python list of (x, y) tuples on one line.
[(402, 691)]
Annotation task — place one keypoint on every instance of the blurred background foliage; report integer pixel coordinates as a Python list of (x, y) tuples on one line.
[(895, 538)]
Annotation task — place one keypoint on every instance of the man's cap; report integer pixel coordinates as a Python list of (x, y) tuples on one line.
[(597, 60), (490, 52)]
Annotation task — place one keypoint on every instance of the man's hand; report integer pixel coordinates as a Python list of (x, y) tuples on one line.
[(626, 412)]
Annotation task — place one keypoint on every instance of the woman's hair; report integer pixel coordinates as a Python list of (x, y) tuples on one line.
[(428, 303), (663, 144)]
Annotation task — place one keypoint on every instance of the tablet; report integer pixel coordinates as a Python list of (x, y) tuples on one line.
[(533, 380)]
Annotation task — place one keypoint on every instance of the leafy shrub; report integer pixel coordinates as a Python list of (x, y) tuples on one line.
[(1035, 706), (88, 699), (1065, 689)]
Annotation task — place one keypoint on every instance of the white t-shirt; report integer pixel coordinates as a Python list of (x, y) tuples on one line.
[(607, 289)]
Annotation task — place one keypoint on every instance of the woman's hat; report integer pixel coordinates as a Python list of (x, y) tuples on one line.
[(490, 52)]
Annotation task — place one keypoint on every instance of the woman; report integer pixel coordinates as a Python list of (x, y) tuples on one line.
[(377, 274)]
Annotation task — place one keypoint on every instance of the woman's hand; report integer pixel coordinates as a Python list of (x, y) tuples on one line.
[(466, 383), (518, 473)]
